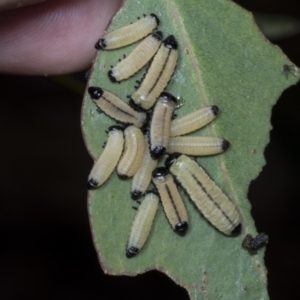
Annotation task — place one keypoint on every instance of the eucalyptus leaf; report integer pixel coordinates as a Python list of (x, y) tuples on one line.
[(225, 61)]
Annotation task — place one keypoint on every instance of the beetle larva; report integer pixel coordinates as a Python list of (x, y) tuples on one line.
[(142, 177), (160, 124), (158, 75), (197, 145), (193, 121), (128, 34), (142, 224), (133, 152), (207, 196), (171, 200), (116, 108), (137, 59), (109, 158)]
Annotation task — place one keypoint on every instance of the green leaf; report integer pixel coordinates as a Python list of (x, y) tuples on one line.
[(224, 60)]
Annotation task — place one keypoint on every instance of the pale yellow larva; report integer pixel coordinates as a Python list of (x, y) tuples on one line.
[(109, 158), (158, 75), (142, 177), (171, 200), (196, 145), (193, 121), (160, 124), (207, 196), (117, 109), (142, 224), (128, 34), (133, 152), (137, 59)]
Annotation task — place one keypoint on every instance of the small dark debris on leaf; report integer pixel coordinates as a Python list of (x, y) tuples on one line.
[(287, 70), (252, 244)]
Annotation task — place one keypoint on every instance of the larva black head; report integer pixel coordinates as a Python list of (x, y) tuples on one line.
[(135, 106), (111, 76), (156, 18), (157, 35), (160, 172), (171, 159), (146, 131), (225, 145), (122, 176), (181, 228), (136, 195), (95, 92), (101, 44), (215, 109), (115, 128), (157, 152), (168, 97), (132, 251), (237, 230), (170, 42), (152, 192), (92, 184)]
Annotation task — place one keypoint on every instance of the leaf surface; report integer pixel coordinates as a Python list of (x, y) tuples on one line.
[(224, 61)]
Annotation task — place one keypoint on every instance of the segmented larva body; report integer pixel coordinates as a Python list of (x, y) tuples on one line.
[(116, 108), (109, 158), (142, 224), (128, 34), (142, 178), (158, 75), (207, 196), (193, 121), (171, 200), (160, 124), (133, 152), (137, 59), (196, 145)]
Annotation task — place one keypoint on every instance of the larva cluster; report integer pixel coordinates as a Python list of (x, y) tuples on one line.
[(149, 132)]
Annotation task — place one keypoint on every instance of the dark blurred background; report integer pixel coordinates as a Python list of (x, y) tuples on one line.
[(46, 248)]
